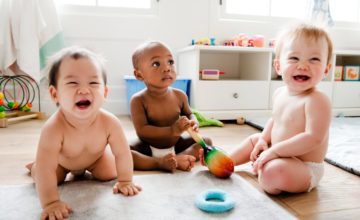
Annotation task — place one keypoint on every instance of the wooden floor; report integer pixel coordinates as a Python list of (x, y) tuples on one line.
[(337, 197)]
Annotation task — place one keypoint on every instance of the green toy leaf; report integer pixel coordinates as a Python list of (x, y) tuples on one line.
[(204, 121)]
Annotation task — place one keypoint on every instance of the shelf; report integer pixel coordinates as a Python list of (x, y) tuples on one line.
[(249, 81)]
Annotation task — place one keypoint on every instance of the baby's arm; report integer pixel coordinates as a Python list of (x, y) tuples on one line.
[(263, 142), (45, 174), (186, 110), (123, 159)]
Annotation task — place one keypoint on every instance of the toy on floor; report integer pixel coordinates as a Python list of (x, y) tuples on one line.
[(17, 94), (218, 162), (204, 121), (223, 202)]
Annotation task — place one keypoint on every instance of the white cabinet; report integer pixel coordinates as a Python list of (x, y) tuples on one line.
[(249, 81)]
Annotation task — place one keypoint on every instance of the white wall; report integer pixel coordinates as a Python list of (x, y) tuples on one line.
[(176, 23)]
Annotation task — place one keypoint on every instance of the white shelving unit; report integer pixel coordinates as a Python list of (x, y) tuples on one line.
[(249, 81)]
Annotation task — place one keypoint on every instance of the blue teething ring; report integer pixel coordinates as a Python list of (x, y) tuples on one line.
[(225, 204)]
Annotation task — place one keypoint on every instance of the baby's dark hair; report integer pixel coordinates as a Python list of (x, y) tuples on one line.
[(143, 48), (74, 52)]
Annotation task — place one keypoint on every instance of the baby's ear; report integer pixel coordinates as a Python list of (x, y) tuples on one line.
[(53, 93), (277, 66), (106, 92), (138, 75), (327, 69)]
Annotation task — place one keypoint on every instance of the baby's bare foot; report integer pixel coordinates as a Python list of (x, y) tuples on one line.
[(185, 162), (29, 166), (168, 162)]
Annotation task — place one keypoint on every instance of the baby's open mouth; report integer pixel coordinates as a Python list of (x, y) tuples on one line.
[(301, 77), (83, 104)]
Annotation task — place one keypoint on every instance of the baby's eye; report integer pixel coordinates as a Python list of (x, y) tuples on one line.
[(155, 64), (314, 59), (71, 83), (94, 83), (171, 62), (293, 58)]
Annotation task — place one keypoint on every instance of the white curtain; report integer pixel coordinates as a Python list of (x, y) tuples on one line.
[(320, 13), (29, 33)]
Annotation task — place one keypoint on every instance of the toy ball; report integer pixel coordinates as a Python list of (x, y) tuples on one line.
[(1, 102), (2, 114), (16, 105), (11, 105), (2, 108), (1, 95)]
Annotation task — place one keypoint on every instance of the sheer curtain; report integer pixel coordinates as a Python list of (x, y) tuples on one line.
[(320, 13)]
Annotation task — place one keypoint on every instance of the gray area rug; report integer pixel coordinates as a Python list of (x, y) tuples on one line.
[(164, 196), (344, 142)]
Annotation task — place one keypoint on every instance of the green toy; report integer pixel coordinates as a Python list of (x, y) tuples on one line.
[(204, 121)]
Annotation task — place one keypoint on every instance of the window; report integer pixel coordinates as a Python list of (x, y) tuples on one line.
[(274, 8), (106, 6), (109, 3), (340, 10), (345, 10)]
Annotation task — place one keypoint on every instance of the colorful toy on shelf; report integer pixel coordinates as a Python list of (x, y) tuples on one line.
[(204, 41), (17, 94), (272, 43), (258, 40), (243, 40), (338, 74), (351, 73), (218, 162), (211, 74), (2, 108)]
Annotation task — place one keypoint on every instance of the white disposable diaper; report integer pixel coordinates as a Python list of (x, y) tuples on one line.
[(156, 152), (316, 172)]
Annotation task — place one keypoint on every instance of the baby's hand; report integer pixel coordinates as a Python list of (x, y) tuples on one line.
[(201, 157), (264, 157), (260, 146), (126, 188), (56, 210), (181, 125), (194, 124)]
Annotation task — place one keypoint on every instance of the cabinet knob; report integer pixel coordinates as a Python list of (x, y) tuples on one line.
[(235, 95)]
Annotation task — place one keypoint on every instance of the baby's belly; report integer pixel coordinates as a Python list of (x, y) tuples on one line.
[(83, 161)]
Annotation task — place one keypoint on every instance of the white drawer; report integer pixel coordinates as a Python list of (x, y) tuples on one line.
[(346, 95), (231, 95)]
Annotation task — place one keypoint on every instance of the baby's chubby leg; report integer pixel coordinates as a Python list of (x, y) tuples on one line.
[(104, 168), (242, 153), (285, 174), (144, 162)]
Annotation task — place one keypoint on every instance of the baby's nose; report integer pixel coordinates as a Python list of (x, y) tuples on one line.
[(302, 65), (83, 90)]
